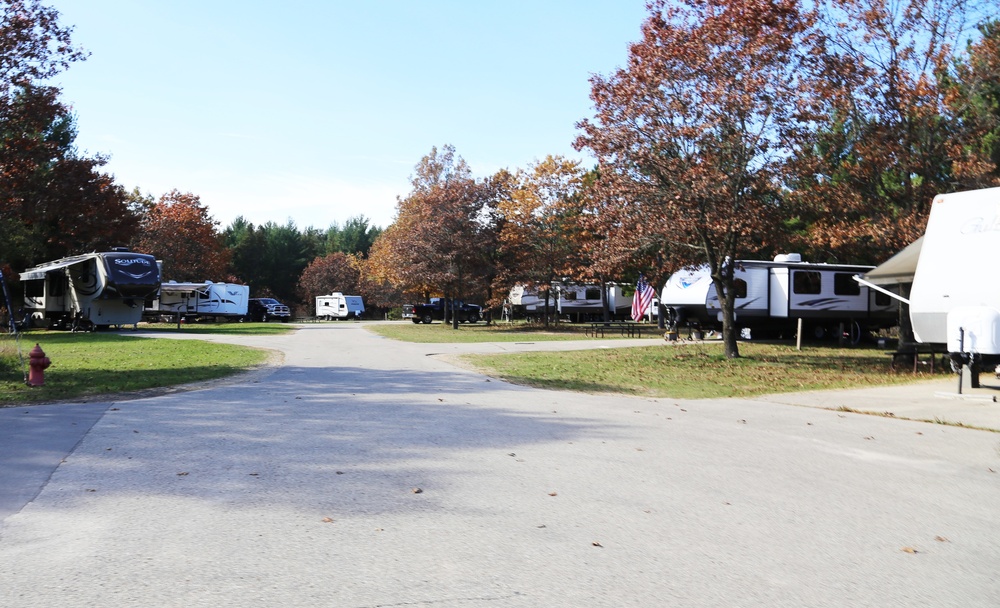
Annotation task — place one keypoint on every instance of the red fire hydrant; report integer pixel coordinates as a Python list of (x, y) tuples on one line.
[(38, 362)]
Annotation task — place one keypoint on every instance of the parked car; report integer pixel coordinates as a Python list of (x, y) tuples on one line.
[(267, 309), (425, 313)]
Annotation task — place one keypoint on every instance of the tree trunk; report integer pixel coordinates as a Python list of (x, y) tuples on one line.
[(605, 305), (727, 303)]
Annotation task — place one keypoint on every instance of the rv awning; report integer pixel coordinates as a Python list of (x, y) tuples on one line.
[(900, 268), (182, 287), (39, 272)]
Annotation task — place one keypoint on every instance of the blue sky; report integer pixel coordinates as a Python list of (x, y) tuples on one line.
[(318, 111)]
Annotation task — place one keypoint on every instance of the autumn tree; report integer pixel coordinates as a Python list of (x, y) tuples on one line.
[(882, 146), (691, 135), (34, 47), (334, 272), (442, 231), (53, 201), (539, 238), (178, 230), (973, 99)]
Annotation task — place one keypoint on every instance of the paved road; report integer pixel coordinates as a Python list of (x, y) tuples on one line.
[(364, 473)]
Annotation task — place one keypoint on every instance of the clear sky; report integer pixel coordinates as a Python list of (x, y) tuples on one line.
[(318, 111)]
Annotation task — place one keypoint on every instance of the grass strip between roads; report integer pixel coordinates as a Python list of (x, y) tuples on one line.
[(89, 364), (697, 370), (682, 370), (438, 333)]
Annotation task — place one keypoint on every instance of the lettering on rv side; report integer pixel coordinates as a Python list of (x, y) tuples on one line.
[(978, 225)]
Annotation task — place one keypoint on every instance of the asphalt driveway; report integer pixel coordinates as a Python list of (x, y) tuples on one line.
[(365, 472)]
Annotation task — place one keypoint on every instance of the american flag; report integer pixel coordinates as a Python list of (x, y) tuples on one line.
[(642, 299)]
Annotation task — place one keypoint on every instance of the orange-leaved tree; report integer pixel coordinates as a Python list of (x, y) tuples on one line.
[(883, 144), (178, 230), (539, 236), (334, 272), (441, 240), (690, 135)]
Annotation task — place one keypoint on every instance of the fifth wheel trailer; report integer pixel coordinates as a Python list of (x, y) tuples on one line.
[(954, 299), (771, 297), (91, 291)]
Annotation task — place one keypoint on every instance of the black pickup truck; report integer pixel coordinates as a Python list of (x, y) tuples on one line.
[(434, 310)]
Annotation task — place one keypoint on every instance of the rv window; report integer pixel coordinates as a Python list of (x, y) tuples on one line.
[(569, 295), (57, 286), (845, 285), (34, 288), (741, 288), (806, 281), (593, 294), (881, 299)]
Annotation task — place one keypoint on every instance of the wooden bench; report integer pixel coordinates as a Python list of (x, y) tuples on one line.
[(626, 329), (917, 353)]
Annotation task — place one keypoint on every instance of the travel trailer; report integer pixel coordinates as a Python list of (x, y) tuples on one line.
[(200, 300), (771, 297), (91, 291), (338, 306), (954, 301), (577, 303)]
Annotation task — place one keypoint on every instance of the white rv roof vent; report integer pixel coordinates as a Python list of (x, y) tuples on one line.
[(788, 257)]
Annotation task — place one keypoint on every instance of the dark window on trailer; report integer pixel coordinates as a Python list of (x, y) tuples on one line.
[(845, 285), (569, 295), (34, 288), (741, 288), (593, 293), (806, 281), (882, 299), (57, 285)]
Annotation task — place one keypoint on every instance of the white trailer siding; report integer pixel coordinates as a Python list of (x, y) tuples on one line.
[(963, 234), (772, 295), (206, 299), (338, 306), (686, 295)]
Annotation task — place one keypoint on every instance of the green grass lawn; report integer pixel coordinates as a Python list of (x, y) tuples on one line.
[(230, 329), (87, 364), (685, 370), (696, 370), (437, 332)]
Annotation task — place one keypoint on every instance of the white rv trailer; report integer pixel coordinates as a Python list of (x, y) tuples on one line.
[(528, 302), (90, 291), (771, 296), (200, 300), (954, 301), (576, 302), (338, 306)]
